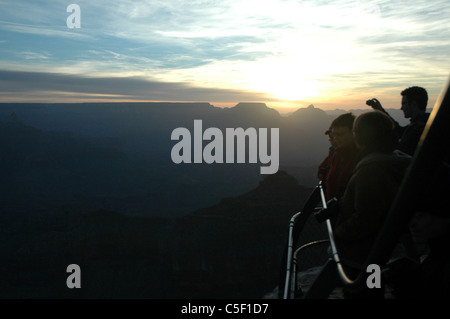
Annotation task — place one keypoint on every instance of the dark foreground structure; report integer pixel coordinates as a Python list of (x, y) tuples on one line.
[(422, 190)]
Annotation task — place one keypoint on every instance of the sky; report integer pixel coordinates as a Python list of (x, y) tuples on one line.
[(285, 53)]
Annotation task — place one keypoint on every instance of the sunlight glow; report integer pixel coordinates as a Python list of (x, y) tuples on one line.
[(291, 51)]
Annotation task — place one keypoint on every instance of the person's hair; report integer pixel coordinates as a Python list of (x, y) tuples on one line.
[(344, 120), (374, 132), (418, 94)]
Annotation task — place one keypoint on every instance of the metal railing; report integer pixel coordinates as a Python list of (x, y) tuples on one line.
[(290, 283), (431, 153), (297, 220), (293, 283), (345, 279)]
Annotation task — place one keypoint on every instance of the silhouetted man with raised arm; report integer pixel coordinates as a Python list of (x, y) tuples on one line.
[(414, 104)]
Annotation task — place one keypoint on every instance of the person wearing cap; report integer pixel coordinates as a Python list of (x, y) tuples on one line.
[(325, 165), (343, 158)]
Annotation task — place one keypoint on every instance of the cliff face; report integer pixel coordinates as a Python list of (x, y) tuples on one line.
[(131, 219), (230, 250), (118, 156), (235, 247)]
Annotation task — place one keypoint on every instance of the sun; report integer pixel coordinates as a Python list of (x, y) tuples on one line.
[(292, 88), (283, 81)]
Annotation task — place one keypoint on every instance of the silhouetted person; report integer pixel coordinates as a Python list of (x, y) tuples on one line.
[(343, 158), (360, 213), (324, 167), (414, 104), (372, 187)]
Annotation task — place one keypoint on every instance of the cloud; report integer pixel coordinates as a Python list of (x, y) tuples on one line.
[(30, 55), (286, 48), (126, 88), (42, 31)]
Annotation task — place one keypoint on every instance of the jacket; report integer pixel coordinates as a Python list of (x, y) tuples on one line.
[(410, 134), (365, 204), (342, 162)]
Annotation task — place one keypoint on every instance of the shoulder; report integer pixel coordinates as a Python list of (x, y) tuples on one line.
[(419, 121), (377, 169), (374, 160)]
